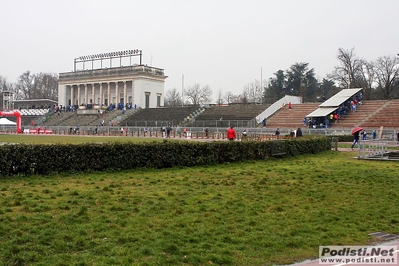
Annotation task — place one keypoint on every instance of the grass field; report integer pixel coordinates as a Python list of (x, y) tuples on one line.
[(277, 211)]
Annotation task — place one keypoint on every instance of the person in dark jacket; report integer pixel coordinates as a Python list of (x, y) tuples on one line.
[(355, 139), (298, 132)]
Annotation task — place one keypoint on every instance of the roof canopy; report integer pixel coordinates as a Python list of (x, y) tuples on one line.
[(321, 112), (5, 121), (333, 103), (340, 97)]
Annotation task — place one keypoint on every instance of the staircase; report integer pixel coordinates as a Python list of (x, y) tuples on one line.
[(363, 112)]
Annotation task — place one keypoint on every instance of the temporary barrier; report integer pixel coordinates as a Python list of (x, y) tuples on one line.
[(40, 131), (16, 114)]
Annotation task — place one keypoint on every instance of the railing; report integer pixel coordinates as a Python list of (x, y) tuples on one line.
[(372, 149), (194, 132)]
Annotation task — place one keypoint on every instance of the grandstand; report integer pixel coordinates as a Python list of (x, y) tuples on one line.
[(31, 116), (155, 117), (286, 118), (365, 110), (385, 114), (369, 115), (239, 115)]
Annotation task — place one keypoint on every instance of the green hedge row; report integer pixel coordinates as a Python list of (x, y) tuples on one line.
[(344, 138), (22, 159)]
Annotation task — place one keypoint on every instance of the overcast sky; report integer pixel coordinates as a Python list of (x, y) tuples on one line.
[(220, 43)]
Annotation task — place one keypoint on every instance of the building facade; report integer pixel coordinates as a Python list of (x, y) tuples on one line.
[(140, 85)]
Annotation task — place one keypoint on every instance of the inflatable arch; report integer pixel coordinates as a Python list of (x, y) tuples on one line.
[(16, 114)]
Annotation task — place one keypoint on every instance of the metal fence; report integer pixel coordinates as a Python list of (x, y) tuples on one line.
[(386, 135)]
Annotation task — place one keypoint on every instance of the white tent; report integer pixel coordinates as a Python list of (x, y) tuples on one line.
[(5, 122)]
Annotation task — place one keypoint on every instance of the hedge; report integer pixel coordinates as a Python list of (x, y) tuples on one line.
[(29, 159)]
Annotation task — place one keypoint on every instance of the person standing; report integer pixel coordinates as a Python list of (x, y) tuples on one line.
[(277, 133), (244, 133), (168, 130), (231, 133), (355, 139), (373, 135), (364, 135), (298, 132)]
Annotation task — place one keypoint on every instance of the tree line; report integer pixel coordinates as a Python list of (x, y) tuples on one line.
[(33, 86), (379, 80)]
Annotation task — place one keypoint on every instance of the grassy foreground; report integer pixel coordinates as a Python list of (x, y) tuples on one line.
[(253, 213)]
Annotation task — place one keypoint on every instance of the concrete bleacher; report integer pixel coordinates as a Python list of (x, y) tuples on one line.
[(285, 118), (29, 115), (94, 119), (161, 116), (369, 115), (363, 111), (386, 115), (230, 114)]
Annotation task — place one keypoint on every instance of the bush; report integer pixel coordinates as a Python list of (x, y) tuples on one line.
[(23, 159)]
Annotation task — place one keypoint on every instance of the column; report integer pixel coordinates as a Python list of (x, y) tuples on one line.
[(116, 94), (109, 93), (86, 100), (101, 94), (133, 100), (79, 94), (93, 95), (124, 93), (71, 94)]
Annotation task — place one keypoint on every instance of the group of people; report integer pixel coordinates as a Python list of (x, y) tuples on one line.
[(356, 136), (232, 134), (165, 131), (293, 133)]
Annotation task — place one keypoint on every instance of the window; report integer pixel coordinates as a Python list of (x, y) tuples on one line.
[(159, 99)]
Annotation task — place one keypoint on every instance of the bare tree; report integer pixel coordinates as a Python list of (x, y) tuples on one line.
[(37, 86), (347, 72), (25, 86), (172, 98), (386, 73), (46, 85), (228, 97), (196, 95), (367, 78), (253, 92)]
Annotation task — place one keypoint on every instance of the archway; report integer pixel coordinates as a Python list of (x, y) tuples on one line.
[(16, 114)]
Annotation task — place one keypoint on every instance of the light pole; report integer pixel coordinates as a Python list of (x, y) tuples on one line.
[(182, 90), (261, 89)]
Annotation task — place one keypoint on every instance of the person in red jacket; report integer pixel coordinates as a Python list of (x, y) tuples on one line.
[(231, 133)]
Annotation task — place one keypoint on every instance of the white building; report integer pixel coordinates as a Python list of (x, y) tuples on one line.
[(140, 85)]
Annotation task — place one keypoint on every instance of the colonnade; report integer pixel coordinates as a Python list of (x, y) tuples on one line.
[(107, 93)]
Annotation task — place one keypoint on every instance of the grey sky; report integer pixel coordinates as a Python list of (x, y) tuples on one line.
[(220, 43)]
